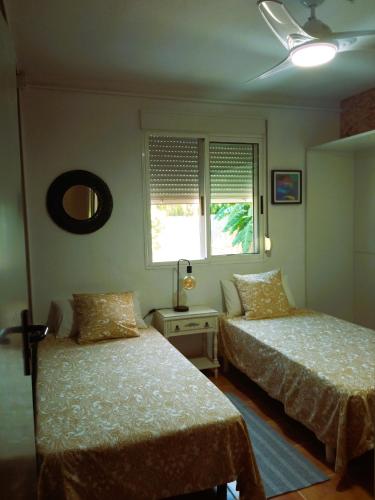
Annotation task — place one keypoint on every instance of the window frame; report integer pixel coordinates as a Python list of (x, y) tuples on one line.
[(205, 185)]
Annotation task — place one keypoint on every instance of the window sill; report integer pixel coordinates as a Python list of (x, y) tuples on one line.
[(217, 260)]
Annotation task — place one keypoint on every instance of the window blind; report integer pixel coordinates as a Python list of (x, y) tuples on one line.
[(232, 168), (174, 169)]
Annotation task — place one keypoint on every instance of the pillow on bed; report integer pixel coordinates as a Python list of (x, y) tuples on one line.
[(287, 290), (262, 295), (102, 316), (61, 320), (232, 300)]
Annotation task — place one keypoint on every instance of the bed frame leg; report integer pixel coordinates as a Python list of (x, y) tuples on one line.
[(222, 491), (225, 364), (330, 454)]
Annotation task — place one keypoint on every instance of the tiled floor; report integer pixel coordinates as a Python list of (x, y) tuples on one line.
[(357, 484)]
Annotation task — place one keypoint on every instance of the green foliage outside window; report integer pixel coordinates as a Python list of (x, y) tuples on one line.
[(177, 209), (239, 222)]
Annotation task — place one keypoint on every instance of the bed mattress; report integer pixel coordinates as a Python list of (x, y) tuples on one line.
[(132, 418), (322, 369)]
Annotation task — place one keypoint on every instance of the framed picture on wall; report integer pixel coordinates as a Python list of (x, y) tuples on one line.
[(286, 187)]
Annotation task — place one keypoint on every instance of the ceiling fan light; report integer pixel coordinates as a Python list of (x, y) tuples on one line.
[(313, 54)]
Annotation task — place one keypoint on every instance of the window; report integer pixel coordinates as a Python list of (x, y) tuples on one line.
[(233, 194), (202, 197)]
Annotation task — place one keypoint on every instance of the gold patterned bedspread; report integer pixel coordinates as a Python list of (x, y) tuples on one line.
[(322, 369), (132, 418)]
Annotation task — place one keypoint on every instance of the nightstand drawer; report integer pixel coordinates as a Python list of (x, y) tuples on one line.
[(185, 325)]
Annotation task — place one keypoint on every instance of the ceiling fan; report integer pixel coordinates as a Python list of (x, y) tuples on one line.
[(309, 45)]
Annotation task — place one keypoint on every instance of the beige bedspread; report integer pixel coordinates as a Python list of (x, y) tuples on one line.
[(134, 419), (322, 369)]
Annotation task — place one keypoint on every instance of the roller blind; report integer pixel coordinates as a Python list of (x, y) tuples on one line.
[(232, 168), (174, 169)]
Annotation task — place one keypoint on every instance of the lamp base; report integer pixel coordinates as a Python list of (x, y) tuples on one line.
[(181, 308)]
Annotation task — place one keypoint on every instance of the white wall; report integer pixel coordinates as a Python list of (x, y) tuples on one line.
[(340, 230), (101, 133), (364, 238), (329, 233)]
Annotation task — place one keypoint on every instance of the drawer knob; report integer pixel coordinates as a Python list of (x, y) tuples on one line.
[(177, 327), (206, 324)]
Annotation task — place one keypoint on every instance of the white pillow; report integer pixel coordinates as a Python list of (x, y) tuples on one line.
[(137, 311), (287, 290), (232, 301), (61, 319)]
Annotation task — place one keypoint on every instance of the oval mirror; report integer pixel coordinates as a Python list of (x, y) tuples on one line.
[(79, 202)]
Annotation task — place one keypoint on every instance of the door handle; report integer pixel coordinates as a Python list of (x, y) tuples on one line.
[(31, 334), (36, 332), (12, 329)]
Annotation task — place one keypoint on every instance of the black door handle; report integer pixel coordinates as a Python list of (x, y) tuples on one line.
[(36, 332), (30, 335)]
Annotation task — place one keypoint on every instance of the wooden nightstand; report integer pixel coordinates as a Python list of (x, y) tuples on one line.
[(203, 320)]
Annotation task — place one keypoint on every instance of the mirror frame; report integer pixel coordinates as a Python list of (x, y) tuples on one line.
[(57, 190)]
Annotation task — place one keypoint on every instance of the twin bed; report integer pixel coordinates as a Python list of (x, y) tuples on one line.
[(132, 418), (321, 368)]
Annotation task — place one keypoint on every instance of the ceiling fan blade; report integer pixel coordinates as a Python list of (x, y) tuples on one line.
[(285, 27), (354, 40), (282, 66)]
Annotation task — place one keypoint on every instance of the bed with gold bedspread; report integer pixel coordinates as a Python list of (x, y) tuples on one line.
[(133, 419), (321, 368)]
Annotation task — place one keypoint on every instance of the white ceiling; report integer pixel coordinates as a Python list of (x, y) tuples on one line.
[(187, 48)]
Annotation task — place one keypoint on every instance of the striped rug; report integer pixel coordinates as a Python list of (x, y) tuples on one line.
[(282, 467)]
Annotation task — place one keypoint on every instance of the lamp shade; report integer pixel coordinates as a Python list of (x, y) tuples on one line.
[(313, 54)]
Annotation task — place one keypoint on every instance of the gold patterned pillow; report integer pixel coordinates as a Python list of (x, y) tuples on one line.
[(102, 316), (262, 295)]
